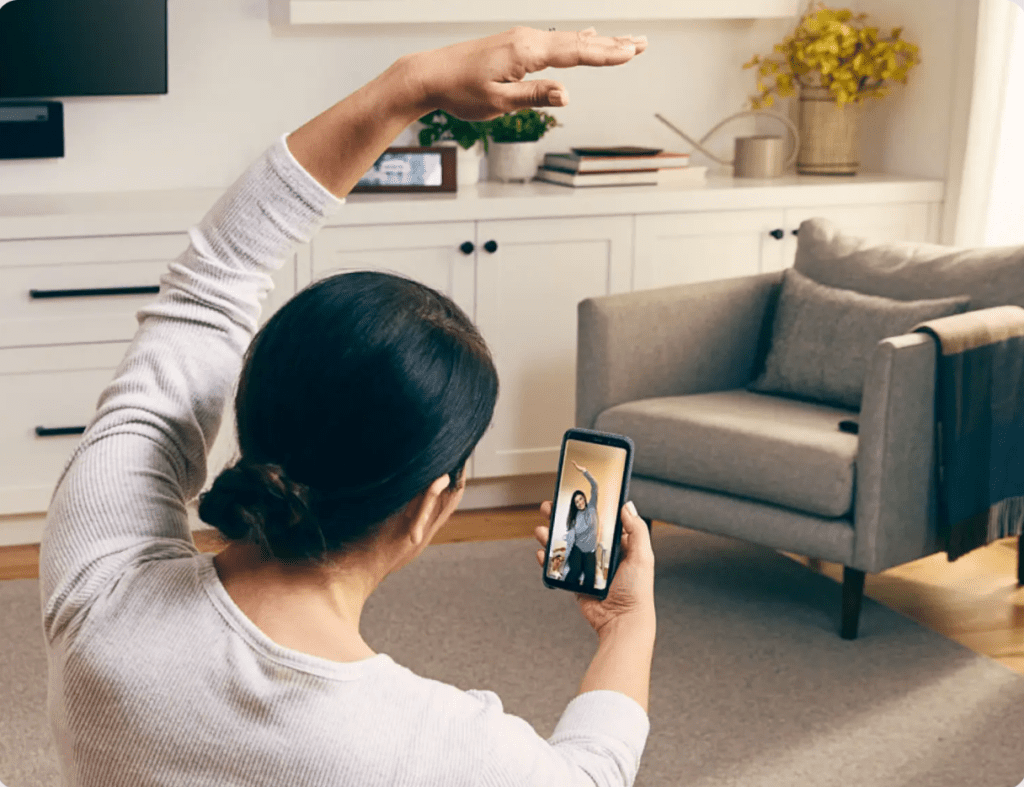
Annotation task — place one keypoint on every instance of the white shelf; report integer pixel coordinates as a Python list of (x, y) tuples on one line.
[(68, 215), (362, 12)]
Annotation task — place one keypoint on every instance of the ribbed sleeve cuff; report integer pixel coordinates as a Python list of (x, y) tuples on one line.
[(307, 187), (609, 713)]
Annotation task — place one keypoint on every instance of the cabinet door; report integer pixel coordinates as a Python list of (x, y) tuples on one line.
[(890, 222), (77, 290), (528, 290), (429, 253), (49, 396), (433, 254), (683, 248)]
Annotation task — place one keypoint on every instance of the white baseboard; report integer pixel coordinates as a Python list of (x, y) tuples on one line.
[(480, 494), (18, 529), (504, 492)]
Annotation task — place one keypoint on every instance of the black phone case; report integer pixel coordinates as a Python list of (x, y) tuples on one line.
[(588, 436)]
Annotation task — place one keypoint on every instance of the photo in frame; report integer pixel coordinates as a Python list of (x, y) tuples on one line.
[(410, 169)]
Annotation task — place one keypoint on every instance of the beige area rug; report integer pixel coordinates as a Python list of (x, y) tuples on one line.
[(751, 683)]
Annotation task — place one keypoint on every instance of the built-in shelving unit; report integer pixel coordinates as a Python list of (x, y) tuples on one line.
[(362, 12)]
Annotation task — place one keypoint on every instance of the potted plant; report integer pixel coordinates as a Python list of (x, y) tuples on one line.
[(513, 153), (836, 61), (470, 137)]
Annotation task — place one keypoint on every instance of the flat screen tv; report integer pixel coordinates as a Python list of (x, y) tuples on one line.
[(61, 48)]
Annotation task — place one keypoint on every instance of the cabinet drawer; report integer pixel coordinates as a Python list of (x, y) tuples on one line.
[(52, 389), (77, 290)]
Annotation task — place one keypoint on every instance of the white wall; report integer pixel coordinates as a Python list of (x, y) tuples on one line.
[(909, 131), (236, 83)]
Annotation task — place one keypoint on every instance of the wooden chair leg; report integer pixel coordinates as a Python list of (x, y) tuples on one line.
[(1020, 560), (853, 593)]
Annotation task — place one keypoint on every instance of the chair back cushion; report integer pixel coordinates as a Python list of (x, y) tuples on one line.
[(910, 271), (823, 338)]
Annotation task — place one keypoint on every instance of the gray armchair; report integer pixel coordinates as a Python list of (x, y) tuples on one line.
[(670, 368)]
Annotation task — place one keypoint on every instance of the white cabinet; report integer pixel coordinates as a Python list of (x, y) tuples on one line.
[(350, 12), (518, 258), (520, 281), (76, 290), (683, 248), (441, 255), (67, 315), (49, 395), (528, 291)]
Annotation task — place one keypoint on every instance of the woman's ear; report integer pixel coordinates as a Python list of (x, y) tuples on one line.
[(425, 509)]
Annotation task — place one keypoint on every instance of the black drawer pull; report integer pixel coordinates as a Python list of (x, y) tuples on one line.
[(491, 246), (95, 291), (467, 248), (42, 431)]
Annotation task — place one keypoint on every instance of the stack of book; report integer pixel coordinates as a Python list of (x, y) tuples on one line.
[(619, 167)]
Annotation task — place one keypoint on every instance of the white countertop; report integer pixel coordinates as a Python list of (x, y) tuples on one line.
[(115, 213)]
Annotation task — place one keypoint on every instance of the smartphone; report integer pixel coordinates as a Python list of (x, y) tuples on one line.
[(586, 526)]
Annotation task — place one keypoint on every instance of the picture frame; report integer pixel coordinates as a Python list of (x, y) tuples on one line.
[(411, 169)]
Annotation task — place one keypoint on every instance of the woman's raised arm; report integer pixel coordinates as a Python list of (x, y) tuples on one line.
[(474, 80)]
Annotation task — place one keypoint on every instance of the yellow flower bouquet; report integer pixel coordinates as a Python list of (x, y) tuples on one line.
[(837, 50)]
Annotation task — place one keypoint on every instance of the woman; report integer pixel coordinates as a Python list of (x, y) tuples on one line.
[(357, 405), (582, 535)]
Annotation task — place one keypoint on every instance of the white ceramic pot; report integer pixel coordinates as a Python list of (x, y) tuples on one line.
[(467, 162), (467, 169), (511, 161)]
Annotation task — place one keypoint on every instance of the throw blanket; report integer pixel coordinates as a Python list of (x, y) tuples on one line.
[(980, 426)]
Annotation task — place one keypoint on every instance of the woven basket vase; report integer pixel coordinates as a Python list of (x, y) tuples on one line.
[(829, 134)]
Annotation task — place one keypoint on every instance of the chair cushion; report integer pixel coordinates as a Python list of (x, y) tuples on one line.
[(766, 448), (910, 271), (822, 338)]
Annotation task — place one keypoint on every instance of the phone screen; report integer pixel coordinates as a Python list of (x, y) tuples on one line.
[(585, 514)]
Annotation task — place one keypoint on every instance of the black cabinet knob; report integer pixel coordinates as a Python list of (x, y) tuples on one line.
[(491, 246), (467, 248), (778, 234), (796, 232)]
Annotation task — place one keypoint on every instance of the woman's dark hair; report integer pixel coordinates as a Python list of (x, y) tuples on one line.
[(571, 521), (353, 398)]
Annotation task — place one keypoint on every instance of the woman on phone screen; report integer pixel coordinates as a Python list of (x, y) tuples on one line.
[(582, 535), (356, 406)]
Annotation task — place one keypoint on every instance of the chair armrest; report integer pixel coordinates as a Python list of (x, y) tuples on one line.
[(894, 511), (670, 341)]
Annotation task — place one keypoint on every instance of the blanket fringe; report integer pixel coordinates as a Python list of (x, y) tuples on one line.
[(1006, 518)]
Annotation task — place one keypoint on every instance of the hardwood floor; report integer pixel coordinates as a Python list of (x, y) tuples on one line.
[(974, 601)]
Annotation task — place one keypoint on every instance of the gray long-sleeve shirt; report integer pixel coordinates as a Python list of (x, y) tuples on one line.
[(586, 520), (156, 677), (584, 532)]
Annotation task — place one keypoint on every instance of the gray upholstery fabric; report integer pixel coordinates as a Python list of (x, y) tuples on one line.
[(725, 515), (823, 338), (895, 498), (910, 271), (636, 345), (767, 448)]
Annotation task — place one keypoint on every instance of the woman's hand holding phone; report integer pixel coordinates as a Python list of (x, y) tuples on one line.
[(631, 594)]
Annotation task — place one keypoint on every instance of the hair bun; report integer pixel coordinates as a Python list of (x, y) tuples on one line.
[(254, 502)]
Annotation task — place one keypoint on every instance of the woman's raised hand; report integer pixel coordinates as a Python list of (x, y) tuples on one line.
[(485, 78)]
